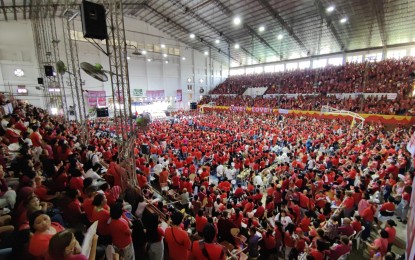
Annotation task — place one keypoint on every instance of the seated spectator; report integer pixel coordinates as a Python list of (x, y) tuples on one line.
[(207, 248)]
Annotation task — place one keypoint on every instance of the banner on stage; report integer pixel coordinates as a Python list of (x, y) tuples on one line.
[(237, 108), (263, 110), (155, 94), (97, 98), (179, 95)]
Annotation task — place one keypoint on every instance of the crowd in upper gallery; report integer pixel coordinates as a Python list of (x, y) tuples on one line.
[(388, 76)]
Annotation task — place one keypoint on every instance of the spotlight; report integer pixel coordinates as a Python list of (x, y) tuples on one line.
[(183, 58), (165, 55), (217, 41), (192, 36), (343, 20), (128, 57), (280, 36), (166, 61), (144, 52), (261, 28), (236, 46), (237, 20), (148, 59), (206, 53), (163, 46), (330, 9)]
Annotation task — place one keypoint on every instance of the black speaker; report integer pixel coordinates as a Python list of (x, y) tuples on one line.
[(71, 112), (102, 112), (49, 71), (94, 24), (193, 105), (145, 149), (40, 81)]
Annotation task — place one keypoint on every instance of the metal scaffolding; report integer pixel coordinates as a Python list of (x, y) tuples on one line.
[(117, 54), (47, 52), (74, 73)]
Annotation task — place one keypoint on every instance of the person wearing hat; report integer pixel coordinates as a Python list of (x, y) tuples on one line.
[(177, 239), (207, 248), (390, 228), (43, 230)]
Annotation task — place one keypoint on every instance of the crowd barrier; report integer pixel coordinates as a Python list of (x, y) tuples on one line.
[(385, 119)]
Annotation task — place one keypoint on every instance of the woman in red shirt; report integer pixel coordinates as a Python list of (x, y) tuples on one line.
[(120, 232), (289, 241), (101, 214), (390, 228)]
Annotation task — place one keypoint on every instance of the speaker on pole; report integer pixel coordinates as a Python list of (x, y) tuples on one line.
[(193, 105), (48, 71), (40, 81), (102, 112), (94, 24)]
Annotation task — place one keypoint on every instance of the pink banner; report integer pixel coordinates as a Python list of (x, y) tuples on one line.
[(179, 95), (96, 98), (237, 109), (155, 94), (262, 110)]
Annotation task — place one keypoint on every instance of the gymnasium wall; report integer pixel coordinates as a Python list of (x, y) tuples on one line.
[(17, 51)]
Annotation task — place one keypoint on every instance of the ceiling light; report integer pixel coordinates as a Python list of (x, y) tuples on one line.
[(128, 57), (144, 52), (166, 61), (261, 28), (183, 58), (18, 72), (330, 9), (343, 20), (206, 53), (149, 59), (280, 36), (165, 55), (236, 46), (237, 20), (192, 36), (163, 46), (217, 41)]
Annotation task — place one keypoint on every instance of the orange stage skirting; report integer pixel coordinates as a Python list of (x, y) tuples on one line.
[(385, 119)]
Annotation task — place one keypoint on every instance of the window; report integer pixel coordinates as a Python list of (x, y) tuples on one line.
[(336, 61), (372, 57), (235, 72), (250, 70), (279, 68), (319, 63), (355, 59), (292, 66), (304, 64), (259, 70), (269, 69), (413, 52), (396, 54)]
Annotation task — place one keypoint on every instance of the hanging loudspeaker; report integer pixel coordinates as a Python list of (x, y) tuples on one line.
[(40, 81), (48, 70), (94, 24)]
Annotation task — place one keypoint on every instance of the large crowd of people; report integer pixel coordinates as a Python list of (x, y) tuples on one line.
[(317, 87), (208, 186)]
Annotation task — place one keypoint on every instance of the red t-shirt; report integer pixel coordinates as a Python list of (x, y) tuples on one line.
[(215, 251), (102, 216), (88, 208), (200, 223), (178, 242), (120, 232)]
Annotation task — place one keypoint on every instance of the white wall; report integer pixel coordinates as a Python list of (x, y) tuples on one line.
[(17, 51)]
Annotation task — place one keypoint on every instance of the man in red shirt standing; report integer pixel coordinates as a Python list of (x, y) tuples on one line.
[(200, 222), (207, 249), (120, 232), (177, 239)]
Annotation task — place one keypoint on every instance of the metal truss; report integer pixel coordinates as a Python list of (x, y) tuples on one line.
[(74, 75), (46, 51), (117, 54)]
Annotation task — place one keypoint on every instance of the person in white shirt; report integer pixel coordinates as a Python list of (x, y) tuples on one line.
[(230, 173), (258, 180), (283, 219), (220, 171)]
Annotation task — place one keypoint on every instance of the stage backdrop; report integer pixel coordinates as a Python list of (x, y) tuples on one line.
[(96, 98)]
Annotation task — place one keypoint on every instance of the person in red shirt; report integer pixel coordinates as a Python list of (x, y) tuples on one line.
[(259, 213), (357, 223), (207, 248), (348, 204), (368, 215), (390, 228), (200, 222), (239, 192), (338, 250), (101, 214), (163, 178), (177, 239), (142, 180), (269, 243), (120, 232)]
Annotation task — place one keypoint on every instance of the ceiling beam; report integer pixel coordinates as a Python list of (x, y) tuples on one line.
[(330, 25), (4, 9), (380, 17), (184, 30), (14, 10), (24, 9), (208, 25), (274, 14), (251, 31)]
